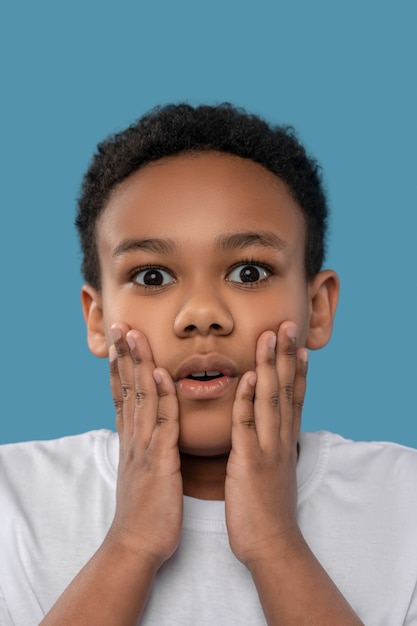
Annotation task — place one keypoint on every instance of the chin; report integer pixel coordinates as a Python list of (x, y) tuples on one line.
[(205, 433), (204, 448)]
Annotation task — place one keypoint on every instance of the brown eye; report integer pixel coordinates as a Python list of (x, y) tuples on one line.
[(153, 277), (247, 273)]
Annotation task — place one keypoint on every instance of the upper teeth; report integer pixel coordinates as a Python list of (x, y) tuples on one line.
[(206, 373)]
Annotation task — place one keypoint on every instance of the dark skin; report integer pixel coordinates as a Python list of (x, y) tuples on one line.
[(229, 295), (209, 472), (252, 459)]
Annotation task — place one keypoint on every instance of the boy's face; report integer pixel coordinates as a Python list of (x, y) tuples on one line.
[(203, 253)]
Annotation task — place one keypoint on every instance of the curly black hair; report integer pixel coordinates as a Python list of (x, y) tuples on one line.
[(174, 129)]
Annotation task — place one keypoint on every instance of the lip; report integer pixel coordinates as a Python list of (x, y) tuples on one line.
[(206, 363), (207, 389)]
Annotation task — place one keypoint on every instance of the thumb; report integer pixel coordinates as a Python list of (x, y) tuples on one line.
[(243, 412), (167, 414)]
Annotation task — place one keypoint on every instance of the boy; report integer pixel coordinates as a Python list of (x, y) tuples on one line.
[(203, 239)]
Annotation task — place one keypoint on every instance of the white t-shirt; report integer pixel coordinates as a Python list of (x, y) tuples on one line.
[(357, 506)]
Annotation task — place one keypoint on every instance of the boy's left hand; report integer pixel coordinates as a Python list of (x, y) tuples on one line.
[(261, 487)]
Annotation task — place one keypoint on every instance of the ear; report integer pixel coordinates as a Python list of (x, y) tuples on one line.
[(324, 294), (91, 303)]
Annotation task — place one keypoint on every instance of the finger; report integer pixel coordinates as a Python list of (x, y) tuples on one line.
[(286, 368), (126, 376), (243, 413), (144, 397), (267, 399), (300, 384), (166, 431), (116, 389)]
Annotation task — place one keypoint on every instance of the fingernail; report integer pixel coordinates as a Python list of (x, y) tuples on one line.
[(112, 353), (252, 380), (272, 342), (291, 331), (130, 341), (116, 333), (157, 377)]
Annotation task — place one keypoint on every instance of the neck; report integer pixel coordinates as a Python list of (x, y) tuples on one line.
[(203, 477)]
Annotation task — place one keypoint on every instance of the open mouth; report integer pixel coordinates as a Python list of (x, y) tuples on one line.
[(205, 384), (205, 376)]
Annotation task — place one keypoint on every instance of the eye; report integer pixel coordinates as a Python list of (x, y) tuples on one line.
[(152, 277), (248, 273)]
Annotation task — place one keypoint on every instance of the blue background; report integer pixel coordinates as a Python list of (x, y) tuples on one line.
[(343, 73)]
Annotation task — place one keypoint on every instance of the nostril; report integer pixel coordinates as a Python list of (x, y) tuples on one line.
[(193, 319)]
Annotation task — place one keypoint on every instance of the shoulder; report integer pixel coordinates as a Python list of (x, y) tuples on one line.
[(366, 466), (53, 450), (31, 465), (56, 502), (371, 454), (358, 513), (341, 450)]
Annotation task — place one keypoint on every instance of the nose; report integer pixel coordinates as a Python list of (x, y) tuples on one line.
[(203, 313)]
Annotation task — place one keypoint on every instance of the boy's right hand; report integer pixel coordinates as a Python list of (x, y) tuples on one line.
[(148, 515)]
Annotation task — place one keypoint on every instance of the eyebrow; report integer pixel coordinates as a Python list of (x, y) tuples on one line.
[(153, 244), (265, 239), (223, 242)]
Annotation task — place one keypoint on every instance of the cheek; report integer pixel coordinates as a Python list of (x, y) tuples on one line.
[(268, 314), (155, 323)]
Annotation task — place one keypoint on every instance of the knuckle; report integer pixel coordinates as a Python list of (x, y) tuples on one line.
[(118, 404), (298, 409), (271, 360), (135, 359), (140, 397), (120, 349), (162, 418), (290, 349), (274, 400), (288, 391), (126, 390), (248, 423)]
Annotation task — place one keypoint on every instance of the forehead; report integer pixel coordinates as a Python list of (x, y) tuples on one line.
[(198, 197)]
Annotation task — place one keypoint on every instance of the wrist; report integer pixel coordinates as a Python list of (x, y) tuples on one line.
[(279, 548), (123, 548)]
